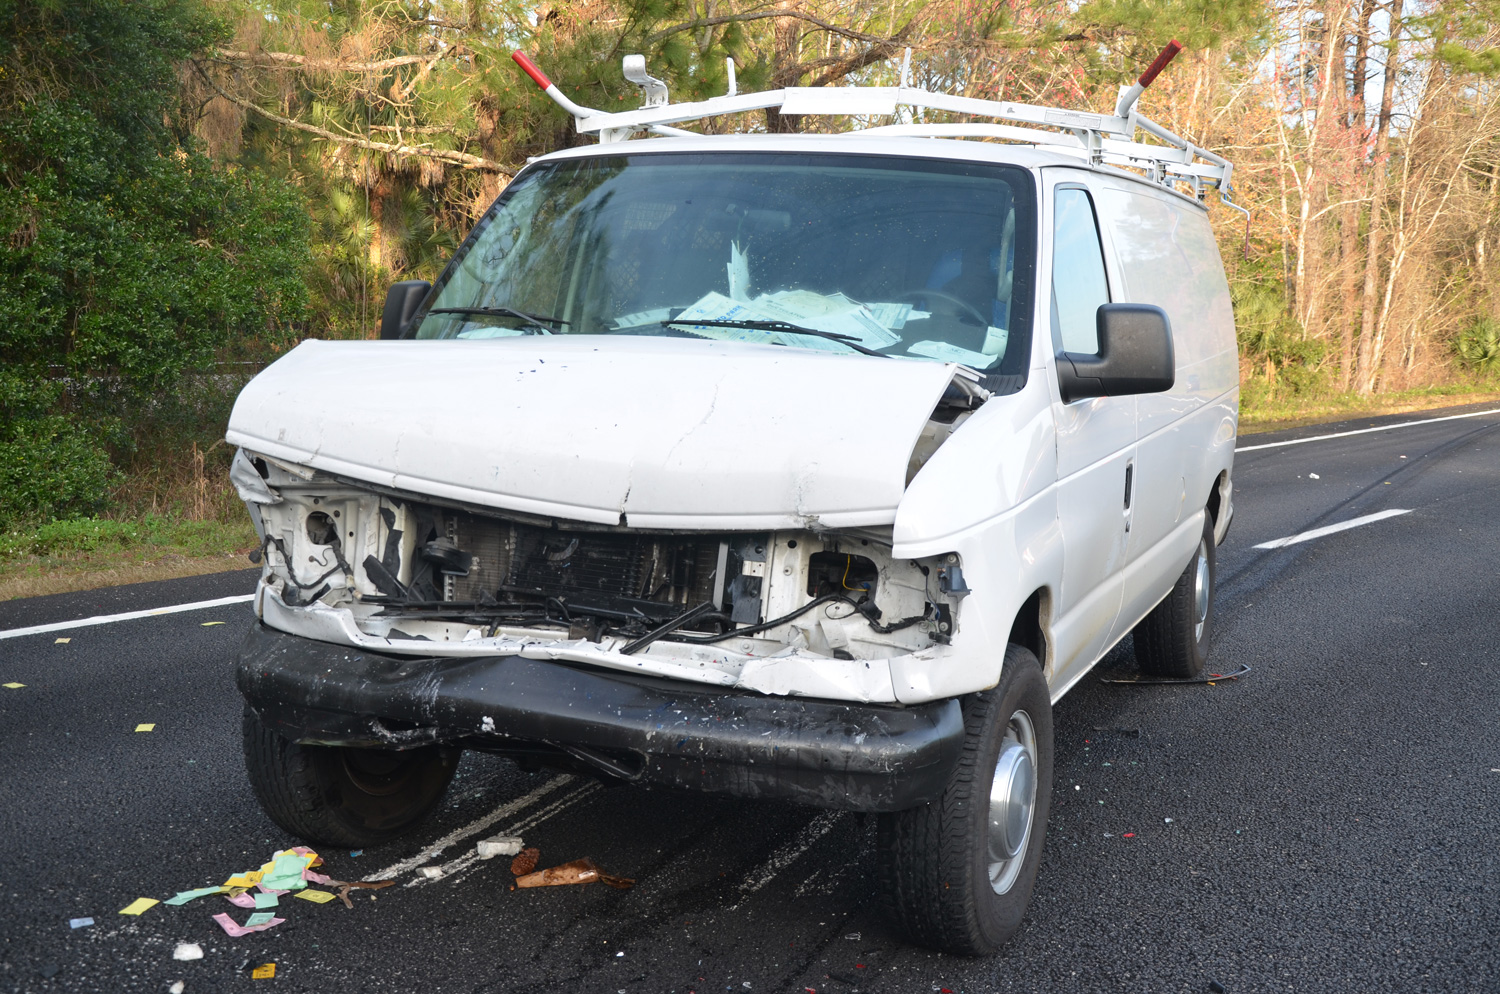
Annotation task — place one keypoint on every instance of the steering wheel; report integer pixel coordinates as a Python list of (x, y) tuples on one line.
[(952, 298)]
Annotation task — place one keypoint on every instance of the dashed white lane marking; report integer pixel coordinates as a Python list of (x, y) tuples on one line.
[(789, 853), (472, 828), (456, 869), (106, 619), (1363, 519), (1365, 431)]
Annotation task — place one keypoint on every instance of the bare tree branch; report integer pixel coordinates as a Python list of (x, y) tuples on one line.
[(463, 159), (326, 65), (705, 22)]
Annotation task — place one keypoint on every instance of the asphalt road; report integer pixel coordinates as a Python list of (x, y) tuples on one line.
[(1331, 822)]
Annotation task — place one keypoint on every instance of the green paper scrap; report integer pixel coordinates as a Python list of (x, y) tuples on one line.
[(264, 900), (185, 896), (314, 895), (286, 873), (259, 918), (138, 905)]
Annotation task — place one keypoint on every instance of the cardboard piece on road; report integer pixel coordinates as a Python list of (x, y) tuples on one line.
[(146, 726), (138, 905), (183, 897), (579, 871), (266, 899), (263, 972), (258, 922), (314, 895)]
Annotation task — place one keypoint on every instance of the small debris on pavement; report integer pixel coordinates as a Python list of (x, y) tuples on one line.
[(1128, 835), (146, 726), (14, 686), (184, 896), (1167, 820), (258, 922), (579, 871), (356, 852), (526, 861), (431, 872), (500, 845), (263, 972), (1313, 476), (177, 988), (61, 641), (1214, 985), (138, 905), (187, 951), (79, 922), (315, 896), (210, 624)]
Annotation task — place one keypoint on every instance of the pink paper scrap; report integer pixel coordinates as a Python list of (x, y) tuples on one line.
[(245, 900), (236, 930), (316, 877)]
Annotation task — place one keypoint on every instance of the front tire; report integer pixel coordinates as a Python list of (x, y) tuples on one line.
[(1172, 641), (333, 795), (957, 873)]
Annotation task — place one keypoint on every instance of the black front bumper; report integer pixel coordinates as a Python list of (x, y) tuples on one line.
[(857, 757)]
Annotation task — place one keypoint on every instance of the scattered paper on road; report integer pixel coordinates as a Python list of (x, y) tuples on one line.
[(138, 905), (263, 972), (210, 624), (146, 726), (265, 899), (79, 922), (285, 870), (14, 686), (61, 641), (185, 896), (242, 900), (314, 895), (258, 922)]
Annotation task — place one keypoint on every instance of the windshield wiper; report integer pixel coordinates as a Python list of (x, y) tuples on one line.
[(535, 320), (832, 336)]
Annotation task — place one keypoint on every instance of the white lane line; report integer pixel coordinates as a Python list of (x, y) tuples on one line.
[(107, 619), (1364, 431), (789, 853), (1364, 519), (472, 828), (454, 870)]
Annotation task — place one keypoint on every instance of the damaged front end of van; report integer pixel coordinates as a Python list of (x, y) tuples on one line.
[(653, 578)]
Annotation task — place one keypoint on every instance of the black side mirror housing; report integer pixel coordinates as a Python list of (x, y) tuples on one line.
[(401, 302), (1135, 355)]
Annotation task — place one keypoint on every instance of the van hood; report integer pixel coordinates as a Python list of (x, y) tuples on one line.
[(647, 432)]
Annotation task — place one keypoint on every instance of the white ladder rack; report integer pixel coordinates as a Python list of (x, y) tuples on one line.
[(1095, 138)]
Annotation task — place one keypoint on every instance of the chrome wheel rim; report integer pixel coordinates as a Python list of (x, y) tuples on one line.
[(1012, 802), (1201, 592)]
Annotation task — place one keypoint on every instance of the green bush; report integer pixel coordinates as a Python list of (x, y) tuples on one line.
[(51, 467), (1478, 345)]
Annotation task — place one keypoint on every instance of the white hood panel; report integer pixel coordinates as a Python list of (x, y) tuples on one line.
[(669, 433)]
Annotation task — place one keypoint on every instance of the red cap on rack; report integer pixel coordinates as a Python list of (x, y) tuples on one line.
[(1149, 76), (540, 78)]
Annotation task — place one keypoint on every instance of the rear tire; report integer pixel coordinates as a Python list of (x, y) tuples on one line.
[(956, 874), (333, 795), (1172, 641)]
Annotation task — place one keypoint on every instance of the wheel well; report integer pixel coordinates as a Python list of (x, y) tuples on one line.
[(1027, 630), (1214, 496)]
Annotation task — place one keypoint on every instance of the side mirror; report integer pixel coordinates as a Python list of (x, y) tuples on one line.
[(1135, 355), (401, 302)]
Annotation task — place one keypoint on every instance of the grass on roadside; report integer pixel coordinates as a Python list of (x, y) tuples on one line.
[(1259, 413), (86, 553)]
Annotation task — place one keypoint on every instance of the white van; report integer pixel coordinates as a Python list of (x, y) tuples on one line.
[(801, 467)]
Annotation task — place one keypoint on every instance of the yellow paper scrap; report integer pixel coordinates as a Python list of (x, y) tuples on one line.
[(61, 641), (146, 726), (210, 624), (138, 905), (14, 686), (315, 896), (263, 972), (244, 880)]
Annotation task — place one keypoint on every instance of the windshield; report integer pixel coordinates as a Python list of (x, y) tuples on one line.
[(919, 258)]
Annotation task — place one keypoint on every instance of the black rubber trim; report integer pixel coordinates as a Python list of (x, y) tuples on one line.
[(825, 753)]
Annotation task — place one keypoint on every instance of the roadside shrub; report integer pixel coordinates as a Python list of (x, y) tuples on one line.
[(51, 467), (1478, 345)]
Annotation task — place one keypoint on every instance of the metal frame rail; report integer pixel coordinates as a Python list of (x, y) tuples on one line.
[(1094, 138)]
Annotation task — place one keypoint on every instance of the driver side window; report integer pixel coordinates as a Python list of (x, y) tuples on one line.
[(1079, 285)]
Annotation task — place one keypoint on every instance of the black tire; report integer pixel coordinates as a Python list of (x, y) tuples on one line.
[(1171, 641), (339, 796), (936, 860)]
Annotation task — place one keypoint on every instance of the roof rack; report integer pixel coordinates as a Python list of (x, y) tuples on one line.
[(1094, 138)]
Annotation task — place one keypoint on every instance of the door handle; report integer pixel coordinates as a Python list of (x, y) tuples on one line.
[(1129, 488)]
